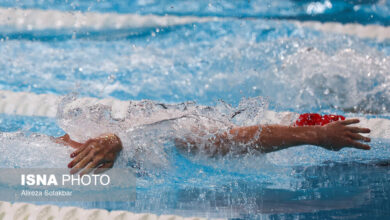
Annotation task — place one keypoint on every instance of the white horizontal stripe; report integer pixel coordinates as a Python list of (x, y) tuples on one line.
[(13, 19), (36, 19), (19, 211), (363, 31)]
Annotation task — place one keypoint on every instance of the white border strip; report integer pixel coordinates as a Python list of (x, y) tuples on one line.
[(14, 19), (35, 19), (378, 32), (22, 211), (30, 104)]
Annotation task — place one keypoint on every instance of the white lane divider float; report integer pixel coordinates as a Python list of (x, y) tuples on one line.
[(377, 32), (26, 211), (30, 104), (17, 20)]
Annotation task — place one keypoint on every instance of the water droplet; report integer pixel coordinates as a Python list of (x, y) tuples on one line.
[(326, 92)]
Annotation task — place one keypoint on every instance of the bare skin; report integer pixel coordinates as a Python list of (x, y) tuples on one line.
[(333, 136), (102, 151), (268, 138), (99, 153)]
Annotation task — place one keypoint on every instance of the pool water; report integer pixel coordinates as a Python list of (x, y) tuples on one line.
[(241, 54)]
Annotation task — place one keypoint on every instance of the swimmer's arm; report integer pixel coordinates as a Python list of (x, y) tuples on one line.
[(333, 136), (269, 138)]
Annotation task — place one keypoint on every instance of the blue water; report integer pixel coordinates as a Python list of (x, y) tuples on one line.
[(294, 69)]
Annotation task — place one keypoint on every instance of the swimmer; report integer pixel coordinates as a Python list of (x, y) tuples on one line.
[(331, 132)]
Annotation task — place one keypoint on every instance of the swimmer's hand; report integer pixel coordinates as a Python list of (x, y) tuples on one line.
[(100, 153), (337, 135)]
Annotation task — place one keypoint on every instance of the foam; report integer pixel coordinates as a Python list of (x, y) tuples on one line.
[(19, 211)]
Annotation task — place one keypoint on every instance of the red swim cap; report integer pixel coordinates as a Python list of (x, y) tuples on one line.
[(316, 119)]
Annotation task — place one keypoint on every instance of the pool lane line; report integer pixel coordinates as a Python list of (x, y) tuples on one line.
[(45, 105), (20, 211), (14, 20), (378, 32)]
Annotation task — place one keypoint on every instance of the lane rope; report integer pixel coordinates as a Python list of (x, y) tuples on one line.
[(17, 20), (21, 211), (14, 20)]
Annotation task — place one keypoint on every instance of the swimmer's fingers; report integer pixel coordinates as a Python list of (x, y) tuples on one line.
[(349, 121), (77, 152), (359, 145), (77, 159), (82, 148), (359, 130), (81, 154), (359, 137), (80, 165), (104, 167), (92, 165)]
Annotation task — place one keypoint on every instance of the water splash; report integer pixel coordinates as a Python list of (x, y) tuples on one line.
[(347, 80), (296, 69), (149, 129), (32, 151), (168, 176)]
